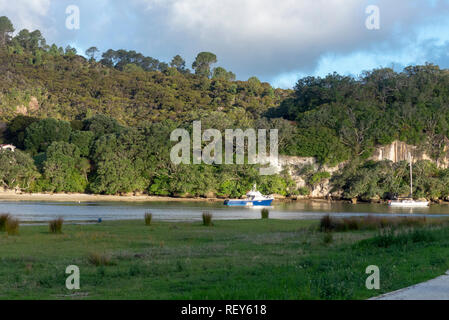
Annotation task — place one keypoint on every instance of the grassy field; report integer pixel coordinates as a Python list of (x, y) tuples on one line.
[(258, 259)]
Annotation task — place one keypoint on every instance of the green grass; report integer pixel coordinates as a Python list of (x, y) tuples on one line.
[(331, 224), (257, 259)]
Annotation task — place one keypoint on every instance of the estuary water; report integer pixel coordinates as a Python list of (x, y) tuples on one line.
[(192, 211)]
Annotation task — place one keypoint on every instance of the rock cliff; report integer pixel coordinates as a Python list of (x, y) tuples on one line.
[(396, 152)]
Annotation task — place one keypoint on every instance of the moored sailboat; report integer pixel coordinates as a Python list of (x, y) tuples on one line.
[(409, 202)]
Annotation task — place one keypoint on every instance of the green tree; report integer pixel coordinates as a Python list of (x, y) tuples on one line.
[(221, 74), (83, 140), (179, 63), (15, 131), (40, 135), (118, 163), (70, 51), (203, 63), (92, 52), (62, 168), (6, 29), (101, 124), (30, 41), (17, 170)]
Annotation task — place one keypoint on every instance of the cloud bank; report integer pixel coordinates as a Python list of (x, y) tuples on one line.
[(276, 40)]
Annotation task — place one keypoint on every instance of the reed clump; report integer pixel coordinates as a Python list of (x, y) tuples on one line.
[(55, 226), (3, 218), (12, 226), (265, 213), (148, 218), (99, 259), (207, 219)]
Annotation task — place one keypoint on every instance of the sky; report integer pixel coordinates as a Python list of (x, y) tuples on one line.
[(279, 41)]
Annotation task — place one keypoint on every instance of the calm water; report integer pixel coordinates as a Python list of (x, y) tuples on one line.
[(191, 211)]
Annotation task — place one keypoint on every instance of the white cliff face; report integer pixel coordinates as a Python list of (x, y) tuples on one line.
[(294, 164), (399, 151), (396, 152)]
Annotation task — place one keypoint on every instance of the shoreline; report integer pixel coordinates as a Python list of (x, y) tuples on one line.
[(12, 196), (83, 197)]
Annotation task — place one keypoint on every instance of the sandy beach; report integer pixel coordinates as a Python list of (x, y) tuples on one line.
[(11, 195)]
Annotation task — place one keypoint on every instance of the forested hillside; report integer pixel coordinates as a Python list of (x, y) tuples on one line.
[(67, 86), (101, 124), (341, 117)]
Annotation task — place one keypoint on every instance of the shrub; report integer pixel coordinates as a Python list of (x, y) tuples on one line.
[(3, 218), (207, 219), (12, 226), (304, 191), (148, 218), (55, 226), (99, 259), (265, 213)]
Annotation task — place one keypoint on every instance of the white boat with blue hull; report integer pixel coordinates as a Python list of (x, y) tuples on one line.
[(253, 199)]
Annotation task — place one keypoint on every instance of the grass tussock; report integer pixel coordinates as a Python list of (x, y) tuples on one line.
[(99, 259), (207, 219), (265, 213), (148, 218), (331, 224), (3, 218), (390, 237), (328, 238), (12, 226), (55, 226)]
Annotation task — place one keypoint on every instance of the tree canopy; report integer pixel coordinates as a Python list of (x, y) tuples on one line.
[(6, 29), (203, 62)]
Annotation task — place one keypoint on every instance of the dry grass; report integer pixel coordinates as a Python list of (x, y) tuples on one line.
[(148, 218), (55, 226), (3, 218), (265, 213), (99, 259), (329, 224), (207, 219), (12, 226)]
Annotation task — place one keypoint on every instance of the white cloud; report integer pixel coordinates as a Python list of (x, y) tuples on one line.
[(26, 14), (271, 37)]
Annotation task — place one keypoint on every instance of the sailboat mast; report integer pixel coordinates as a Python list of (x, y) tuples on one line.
[(411, 175)]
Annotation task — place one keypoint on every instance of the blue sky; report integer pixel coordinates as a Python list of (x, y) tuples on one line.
[(278, 41)]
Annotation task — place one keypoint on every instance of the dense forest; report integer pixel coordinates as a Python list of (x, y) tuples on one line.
[(101, 124)]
